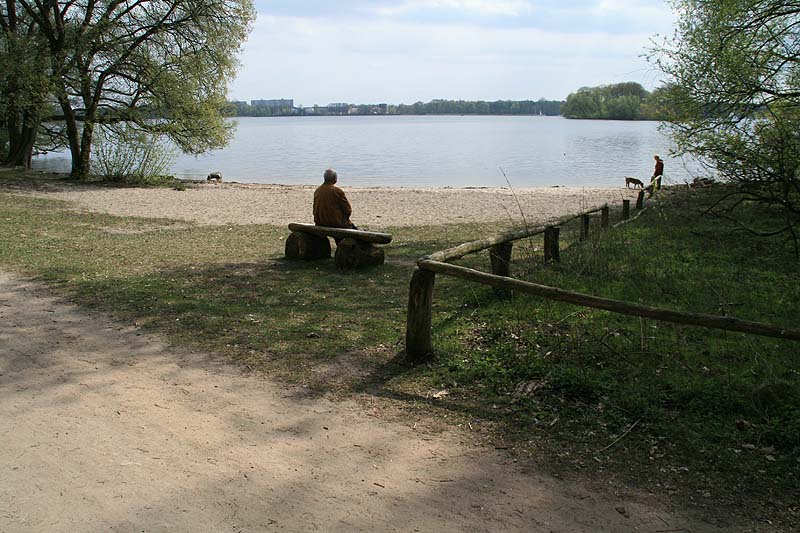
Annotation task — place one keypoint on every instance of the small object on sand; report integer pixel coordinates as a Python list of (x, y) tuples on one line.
[(214, 176)]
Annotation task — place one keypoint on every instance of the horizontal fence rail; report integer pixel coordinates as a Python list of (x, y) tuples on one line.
[(457, 252), (617, 306), (420, 298)]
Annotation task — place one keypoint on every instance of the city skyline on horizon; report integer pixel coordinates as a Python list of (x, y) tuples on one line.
[(376, 103)]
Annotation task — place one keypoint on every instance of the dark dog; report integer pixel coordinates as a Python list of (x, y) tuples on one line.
[(214, 176), (634, 182)]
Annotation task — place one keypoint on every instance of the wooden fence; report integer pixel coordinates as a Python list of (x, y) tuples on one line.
[(420, 295)]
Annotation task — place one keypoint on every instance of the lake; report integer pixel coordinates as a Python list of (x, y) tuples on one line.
[(432, 151)]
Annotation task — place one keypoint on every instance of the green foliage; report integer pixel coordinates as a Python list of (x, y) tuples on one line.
[(734, 71), (621, 101), (126, 154), (582, 377), (119, 62), (25, 85), (461, 107)]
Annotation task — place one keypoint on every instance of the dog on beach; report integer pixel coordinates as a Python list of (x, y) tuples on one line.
[(214, 176), (633, 181)]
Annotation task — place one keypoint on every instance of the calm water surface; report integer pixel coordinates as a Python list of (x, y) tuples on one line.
[(410, 151)]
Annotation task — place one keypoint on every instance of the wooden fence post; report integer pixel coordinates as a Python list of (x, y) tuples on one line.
[(640, 200), (419, 346), (626, 209), (584, 227), (500, 255), (604, 217), (551, 249)]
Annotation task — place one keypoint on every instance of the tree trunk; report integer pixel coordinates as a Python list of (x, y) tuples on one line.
[(81, 166), (21, 138), (73, 135)]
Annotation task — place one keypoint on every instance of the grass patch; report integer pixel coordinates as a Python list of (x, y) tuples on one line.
[(702, 415)]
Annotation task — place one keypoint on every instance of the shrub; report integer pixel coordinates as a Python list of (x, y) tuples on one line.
[(125, 154)]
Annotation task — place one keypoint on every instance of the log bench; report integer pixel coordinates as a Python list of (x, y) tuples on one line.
[(354, 248)]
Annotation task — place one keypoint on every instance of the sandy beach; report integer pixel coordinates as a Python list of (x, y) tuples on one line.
[(235, 203)]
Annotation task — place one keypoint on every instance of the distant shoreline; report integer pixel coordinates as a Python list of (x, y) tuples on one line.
[(404, 115), (450, 115)]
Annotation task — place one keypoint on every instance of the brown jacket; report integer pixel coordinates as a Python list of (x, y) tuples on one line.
[(659, 170), (331, 207)]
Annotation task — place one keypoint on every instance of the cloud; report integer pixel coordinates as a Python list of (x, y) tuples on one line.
[(576, 16), (407, 50), (481, 7)]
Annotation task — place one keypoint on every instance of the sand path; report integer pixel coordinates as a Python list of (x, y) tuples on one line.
[(104, 428)]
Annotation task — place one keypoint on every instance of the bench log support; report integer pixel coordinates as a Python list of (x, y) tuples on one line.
[(352, 253), (355, 248), (307, 246)]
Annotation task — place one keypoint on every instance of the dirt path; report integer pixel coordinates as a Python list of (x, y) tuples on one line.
[(105, 428)]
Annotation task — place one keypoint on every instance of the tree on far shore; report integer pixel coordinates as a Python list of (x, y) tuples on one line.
[(158, 66), (620, 101)]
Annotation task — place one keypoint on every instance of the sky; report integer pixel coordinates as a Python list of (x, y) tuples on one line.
[(403, 51)]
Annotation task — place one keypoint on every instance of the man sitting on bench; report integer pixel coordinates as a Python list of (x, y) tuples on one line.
[(331, 207)]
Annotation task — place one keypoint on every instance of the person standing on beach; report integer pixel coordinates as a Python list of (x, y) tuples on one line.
[(331, 207), (655, 181), (658, 172)]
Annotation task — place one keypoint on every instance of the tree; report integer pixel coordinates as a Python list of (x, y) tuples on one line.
[(582, 104), (24, 83), (620, 101), (160, 66), (734, 73)]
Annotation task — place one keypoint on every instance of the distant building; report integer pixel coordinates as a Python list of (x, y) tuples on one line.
[(275, 104), (384, 108), (339, 108)]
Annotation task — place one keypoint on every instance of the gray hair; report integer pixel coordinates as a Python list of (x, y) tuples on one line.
[(330, 175)]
